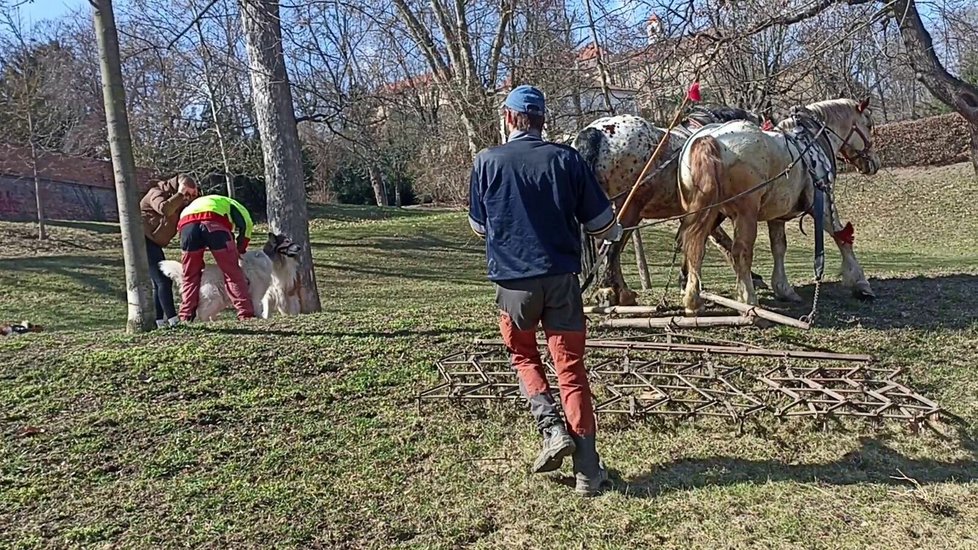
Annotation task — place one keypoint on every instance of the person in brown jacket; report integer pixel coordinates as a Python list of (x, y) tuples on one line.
[(160, 209)]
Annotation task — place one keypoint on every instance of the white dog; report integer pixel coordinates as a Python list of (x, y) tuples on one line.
[(272, 280)]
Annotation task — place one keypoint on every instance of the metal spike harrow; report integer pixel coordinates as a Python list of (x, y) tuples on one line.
[(640, 383)]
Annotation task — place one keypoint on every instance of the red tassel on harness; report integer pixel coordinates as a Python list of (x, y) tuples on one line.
[(767, 126), (694, 92), (846, 235)]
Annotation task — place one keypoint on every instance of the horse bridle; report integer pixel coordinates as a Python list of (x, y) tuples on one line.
[(861, 154)]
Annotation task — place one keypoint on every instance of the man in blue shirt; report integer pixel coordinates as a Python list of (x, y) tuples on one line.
[(528, 199)]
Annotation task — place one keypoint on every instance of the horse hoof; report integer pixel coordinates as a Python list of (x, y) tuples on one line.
[(863, 291), (864, 295), (627, 298), (759, 283), (606, 297)]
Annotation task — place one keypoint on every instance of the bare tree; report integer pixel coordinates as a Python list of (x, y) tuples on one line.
[(209, 89), (40, 111), (949, 89), (450, 56), (138, 287), (275, 115)]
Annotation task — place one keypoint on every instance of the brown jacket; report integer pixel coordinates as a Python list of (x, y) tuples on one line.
[(160, 209)]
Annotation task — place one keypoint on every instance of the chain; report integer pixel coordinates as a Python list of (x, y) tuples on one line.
[(810, 318)]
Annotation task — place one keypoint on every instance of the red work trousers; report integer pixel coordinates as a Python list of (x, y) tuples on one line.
[(556, 303), (195, 239)]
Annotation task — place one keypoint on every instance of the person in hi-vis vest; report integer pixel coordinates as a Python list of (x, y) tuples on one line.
[(223, 226)]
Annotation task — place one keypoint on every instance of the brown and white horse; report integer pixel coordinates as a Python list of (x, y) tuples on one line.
[(722, 164), (617, 147)]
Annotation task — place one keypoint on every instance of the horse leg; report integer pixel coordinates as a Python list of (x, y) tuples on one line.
[(694, 245), (722, 241), (779, 278), (853, 276), (745, 233), (704, 187), (614, 290)]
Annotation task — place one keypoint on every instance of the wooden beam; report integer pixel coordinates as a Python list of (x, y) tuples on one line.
[(756, 311)]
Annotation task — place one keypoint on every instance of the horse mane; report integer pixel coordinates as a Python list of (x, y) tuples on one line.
[(706, 114), (834, 110)]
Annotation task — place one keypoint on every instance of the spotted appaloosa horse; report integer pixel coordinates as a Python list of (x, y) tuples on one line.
[(724, 164), (617, 148)]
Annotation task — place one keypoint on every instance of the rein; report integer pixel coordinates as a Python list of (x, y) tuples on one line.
[(754, 189)]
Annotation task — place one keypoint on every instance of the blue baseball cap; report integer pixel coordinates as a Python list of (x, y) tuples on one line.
[(526, 99)]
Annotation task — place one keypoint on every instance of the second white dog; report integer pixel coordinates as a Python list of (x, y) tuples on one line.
[(272, 280)]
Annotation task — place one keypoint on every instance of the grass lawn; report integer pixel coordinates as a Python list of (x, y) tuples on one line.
[(304, 432)]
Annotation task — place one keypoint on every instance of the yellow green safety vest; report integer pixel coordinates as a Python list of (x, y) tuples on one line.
[(219, 204)]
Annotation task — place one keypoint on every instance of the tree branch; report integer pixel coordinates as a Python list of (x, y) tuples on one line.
[(424, 39), (960, 95)]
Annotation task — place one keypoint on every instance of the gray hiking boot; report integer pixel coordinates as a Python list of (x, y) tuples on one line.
[(557, 444), (589, 473)]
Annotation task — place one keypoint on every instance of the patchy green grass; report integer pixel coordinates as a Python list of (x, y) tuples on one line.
[(305, 432)]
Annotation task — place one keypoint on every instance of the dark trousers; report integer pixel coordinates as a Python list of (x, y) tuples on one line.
[(162, 285)]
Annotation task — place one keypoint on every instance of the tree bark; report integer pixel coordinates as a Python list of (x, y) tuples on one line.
[(378, 184), (139, 295), (950, 90), (42, 233), (275, 117)]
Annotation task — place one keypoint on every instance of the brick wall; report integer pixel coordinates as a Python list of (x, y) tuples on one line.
[(61, 201), (72, 188)]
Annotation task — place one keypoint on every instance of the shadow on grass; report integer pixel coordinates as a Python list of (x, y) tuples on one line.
[(243, 331), (420, 243), (450, 274), (94, 227), (872, 462), (354, 213), (923, 303), (69, 267)]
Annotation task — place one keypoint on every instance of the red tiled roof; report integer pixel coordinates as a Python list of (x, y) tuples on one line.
[(16, 162), (423, 80), (589, 52)]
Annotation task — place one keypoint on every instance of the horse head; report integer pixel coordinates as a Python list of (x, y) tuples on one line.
[(850, 125)]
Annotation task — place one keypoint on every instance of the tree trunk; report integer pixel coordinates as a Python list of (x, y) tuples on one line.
[(950, 90), (275, 117), (599, 59), (378, 184), (212, 101), (643, 265), (139, 293), (974, 147), (42, 233)]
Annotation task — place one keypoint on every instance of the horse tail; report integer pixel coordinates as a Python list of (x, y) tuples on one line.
[(706, 169), (588, 143)]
